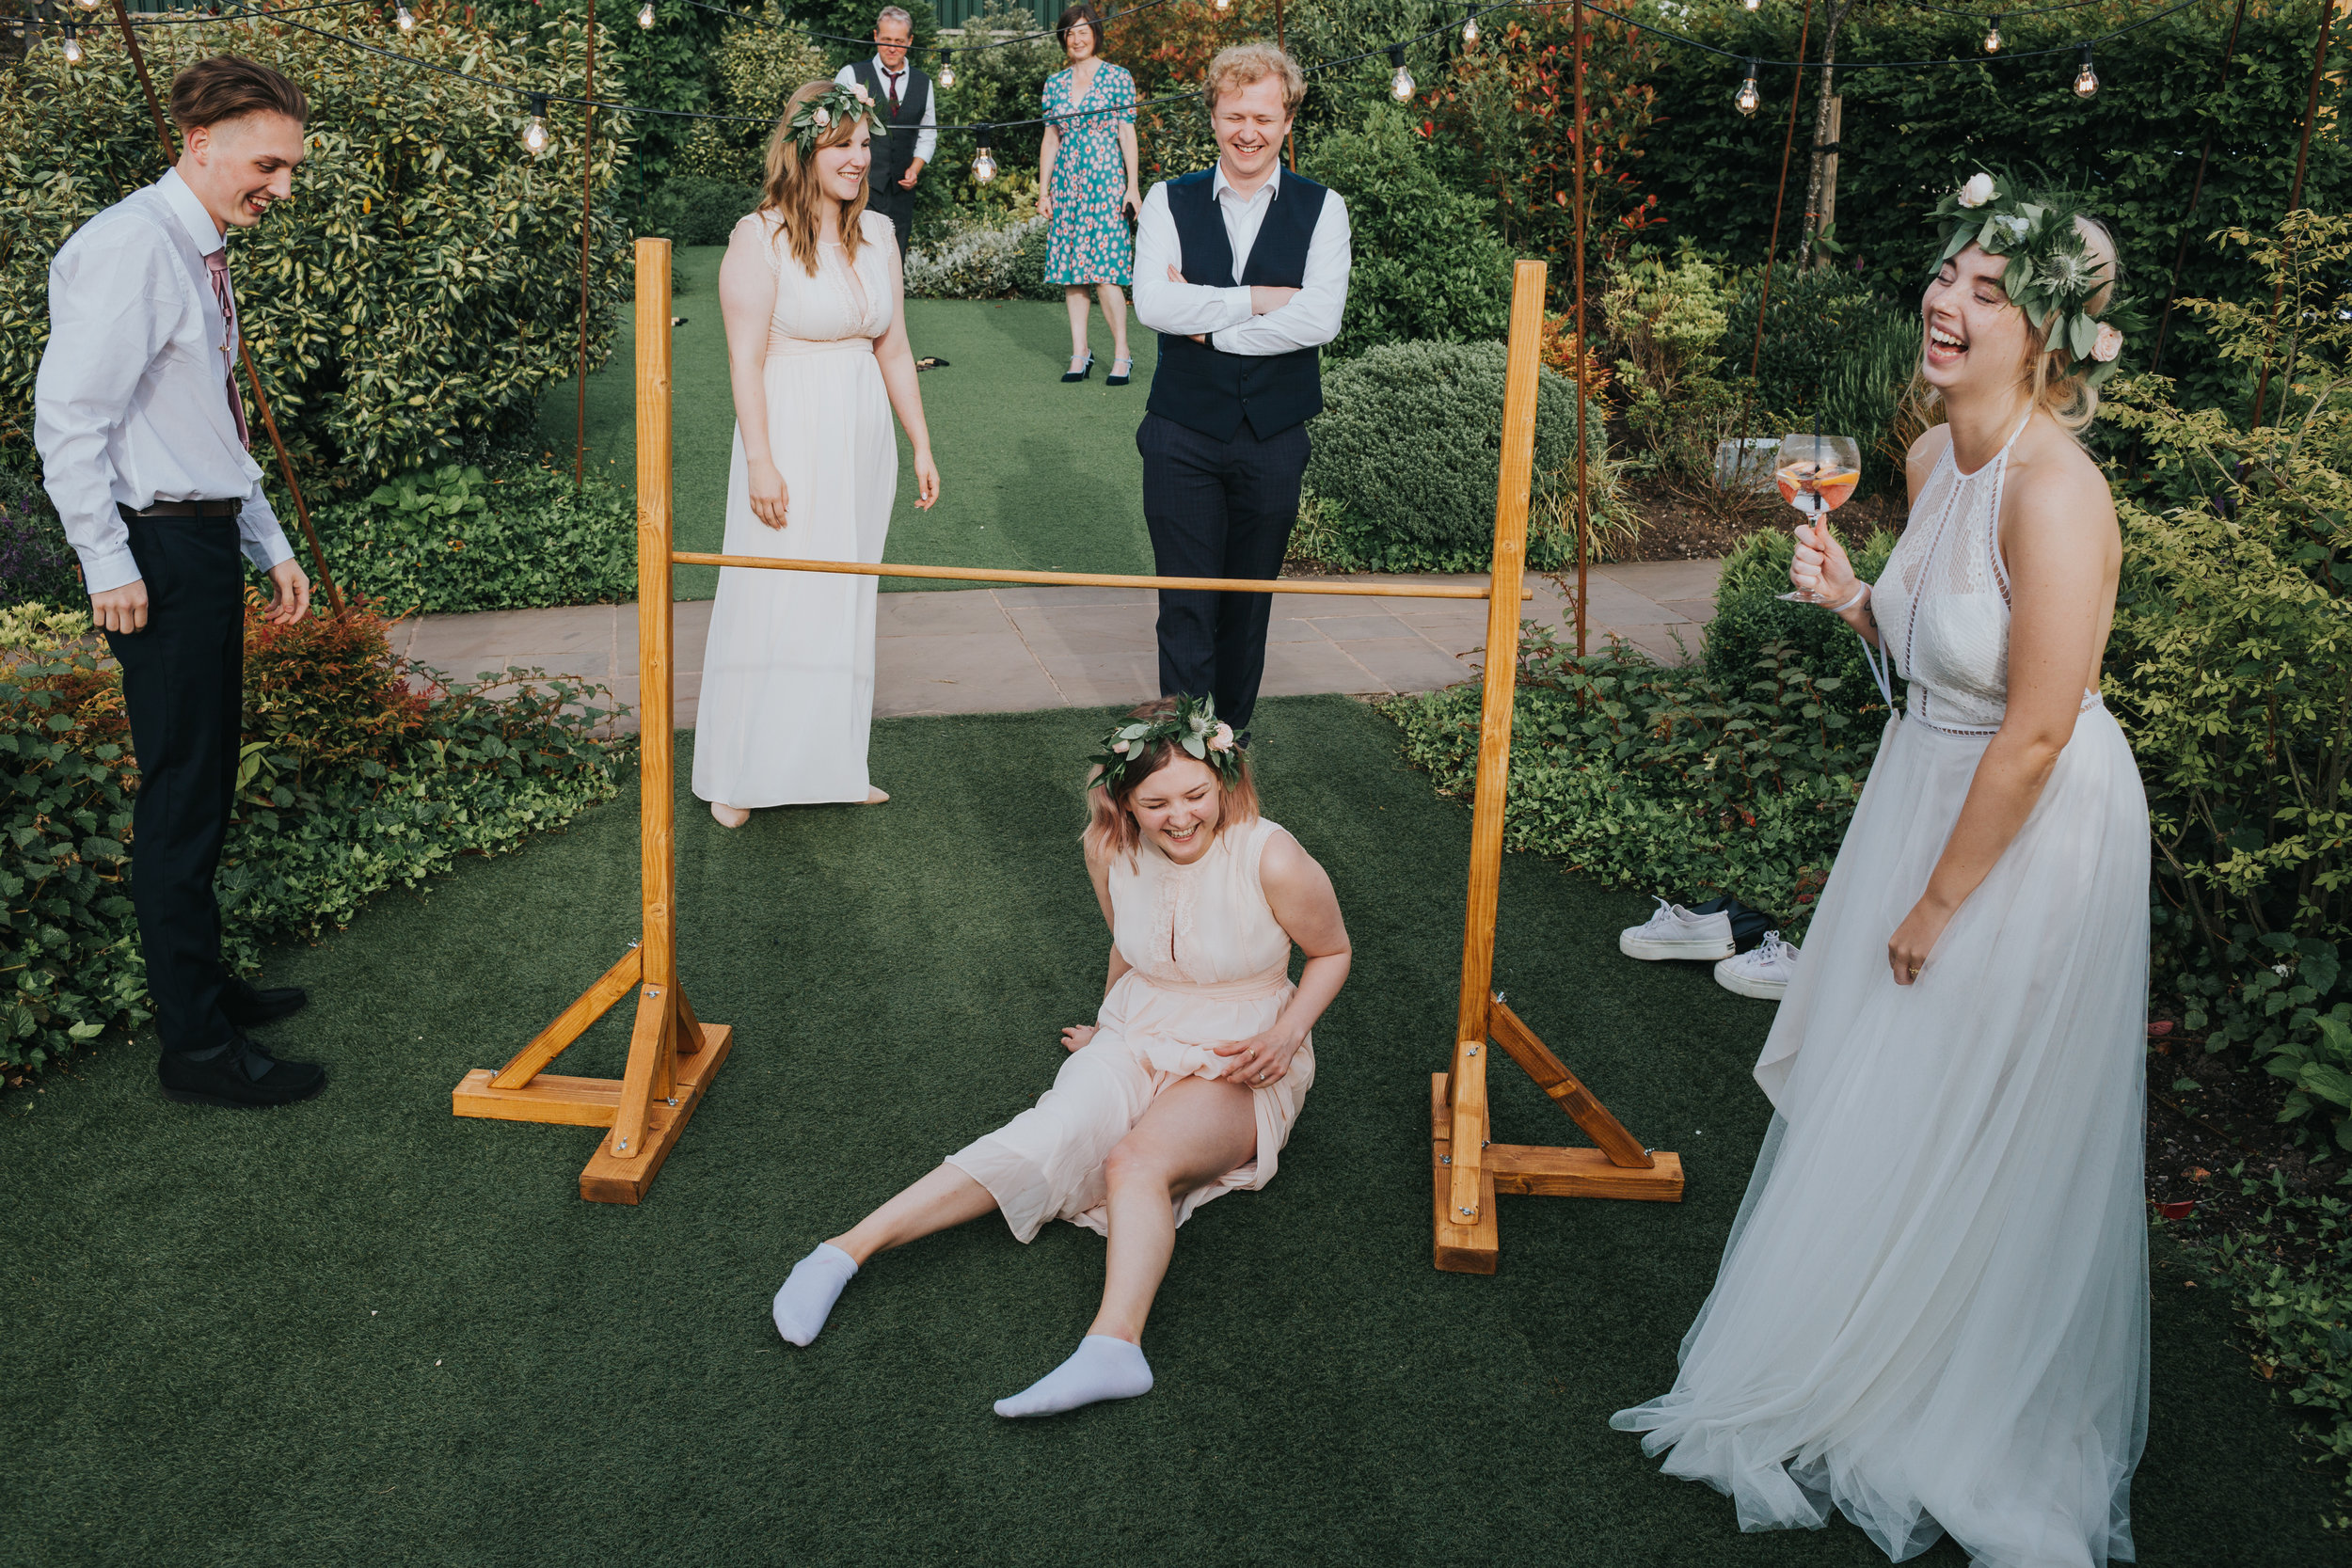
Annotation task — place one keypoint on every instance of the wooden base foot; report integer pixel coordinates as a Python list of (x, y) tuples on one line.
[(574, 1101), (1461, 1248), (609, 1178)]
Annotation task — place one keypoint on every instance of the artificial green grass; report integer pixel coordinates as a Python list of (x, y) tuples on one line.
[(1034, 475), (362, 1331)]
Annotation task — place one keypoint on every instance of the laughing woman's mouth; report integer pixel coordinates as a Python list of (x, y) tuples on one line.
[(1942, 347)]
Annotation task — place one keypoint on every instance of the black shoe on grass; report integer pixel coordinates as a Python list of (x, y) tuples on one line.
[(237, 1073), (248, 1008)]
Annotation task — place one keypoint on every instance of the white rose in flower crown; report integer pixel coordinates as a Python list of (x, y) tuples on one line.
[(823, 117), (1977, 191), (1222, 740), (863, 96), (1120, 746), (2106, 345)]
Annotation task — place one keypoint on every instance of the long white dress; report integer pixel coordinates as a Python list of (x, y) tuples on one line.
[(1932, 1312), (787, 693), (1208, 965)]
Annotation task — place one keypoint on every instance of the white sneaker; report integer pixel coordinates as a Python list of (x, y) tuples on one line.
[(1763, 972), (1675, 932)]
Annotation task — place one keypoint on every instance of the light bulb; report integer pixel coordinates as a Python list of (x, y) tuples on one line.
[(88, 4), (404, 20), (2085, 79), (1470, 29), (1222, 4), (72, 50), (535, 133), (1748, 99), (644, 16), (1992, 38), (946, 74), (984, 162), (1400, 84), (1752, 4)]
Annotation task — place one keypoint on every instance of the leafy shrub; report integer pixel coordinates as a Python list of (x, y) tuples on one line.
[(1425, 267), (452, 539), (984, 261), (760, 63), (694, 208), (352, 782), (423, 287), (1750, 616), (1833, 351), (1667, 321), (37, 565), (2229, 661), (1670, 780), (1408, 446)]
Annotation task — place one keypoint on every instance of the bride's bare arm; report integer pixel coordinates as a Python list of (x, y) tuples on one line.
[(906, 399), (2059, 539), (1304, 905), (747, 302)]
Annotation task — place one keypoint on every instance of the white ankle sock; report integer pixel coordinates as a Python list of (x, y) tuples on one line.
[(1100, 1368), (809, 1292)]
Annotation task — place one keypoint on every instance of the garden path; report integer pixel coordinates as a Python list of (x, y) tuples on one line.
[(1015, 649)]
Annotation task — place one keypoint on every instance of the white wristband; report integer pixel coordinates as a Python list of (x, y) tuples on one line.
[(1861, 592)]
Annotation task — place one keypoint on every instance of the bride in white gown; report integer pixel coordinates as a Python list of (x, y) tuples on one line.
[(1931, 1314), (817, 348)]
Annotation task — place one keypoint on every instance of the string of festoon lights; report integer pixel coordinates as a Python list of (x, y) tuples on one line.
[(1747, 99)]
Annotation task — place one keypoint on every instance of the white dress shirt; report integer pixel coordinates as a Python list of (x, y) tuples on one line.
[(926, 139), (131, 405), (1310, 319)]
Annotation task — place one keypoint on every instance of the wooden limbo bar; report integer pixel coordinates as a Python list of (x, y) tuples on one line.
[(672, 1057)]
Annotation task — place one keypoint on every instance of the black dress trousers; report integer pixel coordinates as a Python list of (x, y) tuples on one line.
[(183, 687), (1217, 509)]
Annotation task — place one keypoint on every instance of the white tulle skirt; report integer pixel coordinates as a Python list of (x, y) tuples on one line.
[(1932, 1311)]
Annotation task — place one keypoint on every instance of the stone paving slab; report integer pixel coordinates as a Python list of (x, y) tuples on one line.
[(1025, 647)]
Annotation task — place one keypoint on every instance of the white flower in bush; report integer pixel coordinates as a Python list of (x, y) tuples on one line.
[(2107, 345), (1977, 191)]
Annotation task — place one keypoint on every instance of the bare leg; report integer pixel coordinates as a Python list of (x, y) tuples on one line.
[(1076, 299), (1192, 1135), (945, 1198), (1115, 311)]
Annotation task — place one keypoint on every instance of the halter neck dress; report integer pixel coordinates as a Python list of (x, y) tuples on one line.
[(1209, 965), (1932, 1310)]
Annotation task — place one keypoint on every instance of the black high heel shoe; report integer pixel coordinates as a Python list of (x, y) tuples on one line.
[(1085, 369), (1119, 377)]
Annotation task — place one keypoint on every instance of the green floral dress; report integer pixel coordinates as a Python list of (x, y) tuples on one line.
[(1090, 242)]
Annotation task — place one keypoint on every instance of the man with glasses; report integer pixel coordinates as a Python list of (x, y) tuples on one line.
[(902, 95)]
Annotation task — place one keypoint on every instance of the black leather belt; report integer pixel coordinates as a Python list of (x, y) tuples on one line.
[(184, 509)]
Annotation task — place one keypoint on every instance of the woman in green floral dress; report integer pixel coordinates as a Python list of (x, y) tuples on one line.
[(1086, 183)]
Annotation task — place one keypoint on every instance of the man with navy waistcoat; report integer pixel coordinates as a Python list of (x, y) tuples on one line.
[(1242, 269)]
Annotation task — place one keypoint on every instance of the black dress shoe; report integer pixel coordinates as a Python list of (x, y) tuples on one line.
[(248, 1008), (237, 1073)]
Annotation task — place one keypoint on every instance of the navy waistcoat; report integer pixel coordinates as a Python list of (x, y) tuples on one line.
[(1203, 388), (895, 151)]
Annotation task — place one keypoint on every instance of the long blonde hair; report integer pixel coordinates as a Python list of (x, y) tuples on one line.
[(791, 192), (2056, 383)]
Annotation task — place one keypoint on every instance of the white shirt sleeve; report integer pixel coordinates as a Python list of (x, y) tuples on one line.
[(110, 306), (260, 532), (1312, 318), (926, 139), (1182, 309)]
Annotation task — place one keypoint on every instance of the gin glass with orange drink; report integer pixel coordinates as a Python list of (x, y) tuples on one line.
[(1816, 475)]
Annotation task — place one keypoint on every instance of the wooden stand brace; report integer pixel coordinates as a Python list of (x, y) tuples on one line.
[(1467, 1169), (671, 1057)]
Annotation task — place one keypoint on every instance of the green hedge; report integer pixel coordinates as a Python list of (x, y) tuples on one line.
[(351, 783), (1750, 616), (455, 539), (1407, 448), (420, 290)]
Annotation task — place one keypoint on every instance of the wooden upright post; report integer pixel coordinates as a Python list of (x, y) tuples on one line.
[(648, 1108), (1465, 1169)]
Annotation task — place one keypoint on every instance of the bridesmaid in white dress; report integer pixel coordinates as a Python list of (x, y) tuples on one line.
[(1931, 1314), (816, 349), (1187, 1085)]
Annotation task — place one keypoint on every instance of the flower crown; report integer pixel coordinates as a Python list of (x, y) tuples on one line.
[(816, 116), (1194, 726), (2051, 275)]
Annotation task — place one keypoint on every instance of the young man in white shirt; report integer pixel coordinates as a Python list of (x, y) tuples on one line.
[(902, 96), (144, 450), (1242, 270)]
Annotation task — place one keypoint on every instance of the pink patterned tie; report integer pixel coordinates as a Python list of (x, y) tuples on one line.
[(218, 263)]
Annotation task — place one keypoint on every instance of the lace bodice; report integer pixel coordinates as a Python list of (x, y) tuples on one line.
[(1941, 604), (843, 306), (1206, 924)]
